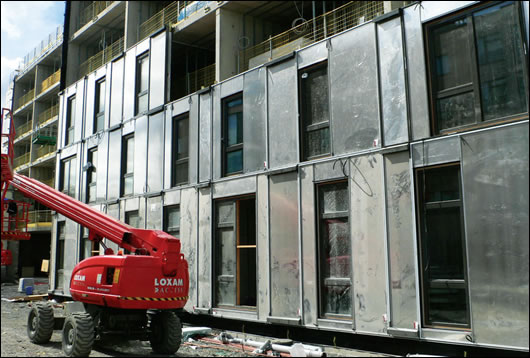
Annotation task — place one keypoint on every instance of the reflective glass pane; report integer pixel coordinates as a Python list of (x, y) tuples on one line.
[(100, 104), (451, 51), (183, 134), (91, 193), (142, 103), (334, 198), (225, 212), (72, 179), (234, 161), (100, 118), (315, 96), (447, 305), (317, 142), (181, 173), (128, 185), (441, 184), (226, 267), (235, 103), (500, 58), (235, 128), (173, 218), (336, 248), (130, 155), (144, 75), (456, 110)]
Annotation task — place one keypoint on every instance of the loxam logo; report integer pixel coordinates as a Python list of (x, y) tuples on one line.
[(169, 282), (79, 278)]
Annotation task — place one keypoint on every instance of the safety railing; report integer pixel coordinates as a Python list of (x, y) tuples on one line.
[(50, 182), (40, 216), (52, 40), (23, 129), (203, 77), (50, 81), (101, 57), (21, 160), (48, 114), (345, 17), (91, 11), (44, 151), (26, 98)]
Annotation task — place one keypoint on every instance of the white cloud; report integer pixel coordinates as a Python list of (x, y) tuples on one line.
[(9, 65), (19, 17)]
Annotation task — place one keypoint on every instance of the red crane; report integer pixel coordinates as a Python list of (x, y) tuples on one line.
[(136, 295)]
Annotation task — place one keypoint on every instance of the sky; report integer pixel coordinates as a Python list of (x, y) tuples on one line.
[(24, 25)]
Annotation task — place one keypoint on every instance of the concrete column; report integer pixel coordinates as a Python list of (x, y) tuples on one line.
[(132, 22), (227, 32)]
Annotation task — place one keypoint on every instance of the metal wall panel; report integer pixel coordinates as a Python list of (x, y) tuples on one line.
[(129, 84), (495, 187), (416, 73), (438, 151), (140, 150), (354, 90), (284, 246), (216, 135), (309, 239), (392, 81), (204, 262), (254, 120), (157, 76), (232, 86), (368, 246), (114, 211), (168, 130), (172, 197), (90, 102), (71, 253), (153, 213), (331, 170), (400, 238), (282, 114), (142, 46), (193, 139), (525, 12), (234, 187), (116, 88), (181, 106), (79, 110), (128, 127), (205, 125), (108, 78), (155, 153), (142, 212), (61, 121), (188, 240), (114, 170), (313, 54), (433, 9), (101, 166), (262, 247)]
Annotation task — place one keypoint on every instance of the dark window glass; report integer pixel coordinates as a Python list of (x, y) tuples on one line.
[(91, 175), (334, 251), (180, 149), (142, 83), (68, 176), (233, 135), (128, 165), (99, 111), (132, 218), (70, 121), (444, 283), (477, 66), (172, 220)]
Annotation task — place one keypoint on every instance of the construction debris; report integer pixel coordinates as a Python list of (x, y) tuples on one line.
[(190, 332), (26, 298)]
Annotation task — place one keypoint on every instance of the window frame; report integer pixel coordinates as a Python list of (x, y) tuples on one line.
[(176, 161), (91, 178), (138, 80), (304, 128), (226, 149), (421, 209), (65, 180), (124, 157), (171, 230), (99, 113), (70, 120), (435, 94)]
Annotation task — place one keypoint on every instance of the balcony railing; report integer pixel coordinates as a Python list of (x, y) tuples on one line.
[(48, 114), (26, 98), (101, 58), (21, 160), (50, 182), (203, 77), (91, 11), (50, 81), (44, 151), (345, 17), (24, 128), (40, 216)]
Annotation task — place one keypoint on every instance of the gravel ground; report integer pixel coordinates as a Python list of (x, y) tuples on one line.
[(15, 342)]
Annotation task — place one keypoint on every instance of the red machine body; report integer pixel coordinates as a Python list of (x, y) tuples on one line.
[(154, 277)]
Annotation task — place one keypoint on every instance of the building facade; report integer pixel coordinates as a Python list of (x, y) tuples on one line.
[(359, 169)]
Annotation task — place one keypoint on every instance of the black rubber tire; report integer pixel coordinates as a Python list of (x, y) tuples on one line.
[(78, 335), (165, 332), (40, 323)]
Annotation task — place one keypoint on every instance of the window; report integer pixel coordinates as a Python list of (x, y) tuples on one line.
[(99, 110), (142, 83), (233, 135), (128, 165), (68, 176), (88, 248), (70, 121), (314, 106), (334, 251), (132, 218), (172, 220), (91, 175), (477, 67), (235, 252), (59, 258), (442, 254), (180, 150)]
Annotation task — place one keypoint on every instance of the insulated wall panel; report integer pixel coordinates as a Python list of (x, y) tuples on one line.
[(102, 166), (205, 125), (193, 139), (367, 233), (129, 84), (155, 153), (495, 187), (400, 240), (157, 76), (354, 90), (431, 10), (116, 92), (204, 262), (232, 86), (309, 239), (284, 246), (392, 79), (282, 114), (437, 151), (188, 240), (140, 158), (416, 74), (331, 170), (114, 170), (168, 150), (79, 109), (89, 110), (262, 247), (234, 187), (153, 213), (312, 54), (254, 120)]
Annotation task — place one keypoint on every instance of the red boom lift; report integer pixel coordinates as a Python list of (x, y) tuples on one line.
[(135, 296)]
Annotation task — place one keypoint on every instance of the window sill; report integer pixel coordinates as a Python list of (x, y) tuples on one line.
[(485, 124)]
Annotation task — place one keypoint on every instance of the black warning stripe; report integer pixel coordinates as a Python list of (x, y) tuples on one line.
[(154, 298)]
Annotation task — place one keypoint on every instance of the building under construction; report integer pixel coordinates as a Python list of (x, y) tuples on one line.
[(358, 167)]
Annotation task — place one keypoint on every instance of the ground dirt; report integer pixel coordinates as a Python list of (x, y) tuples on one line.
[(15, 342)]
